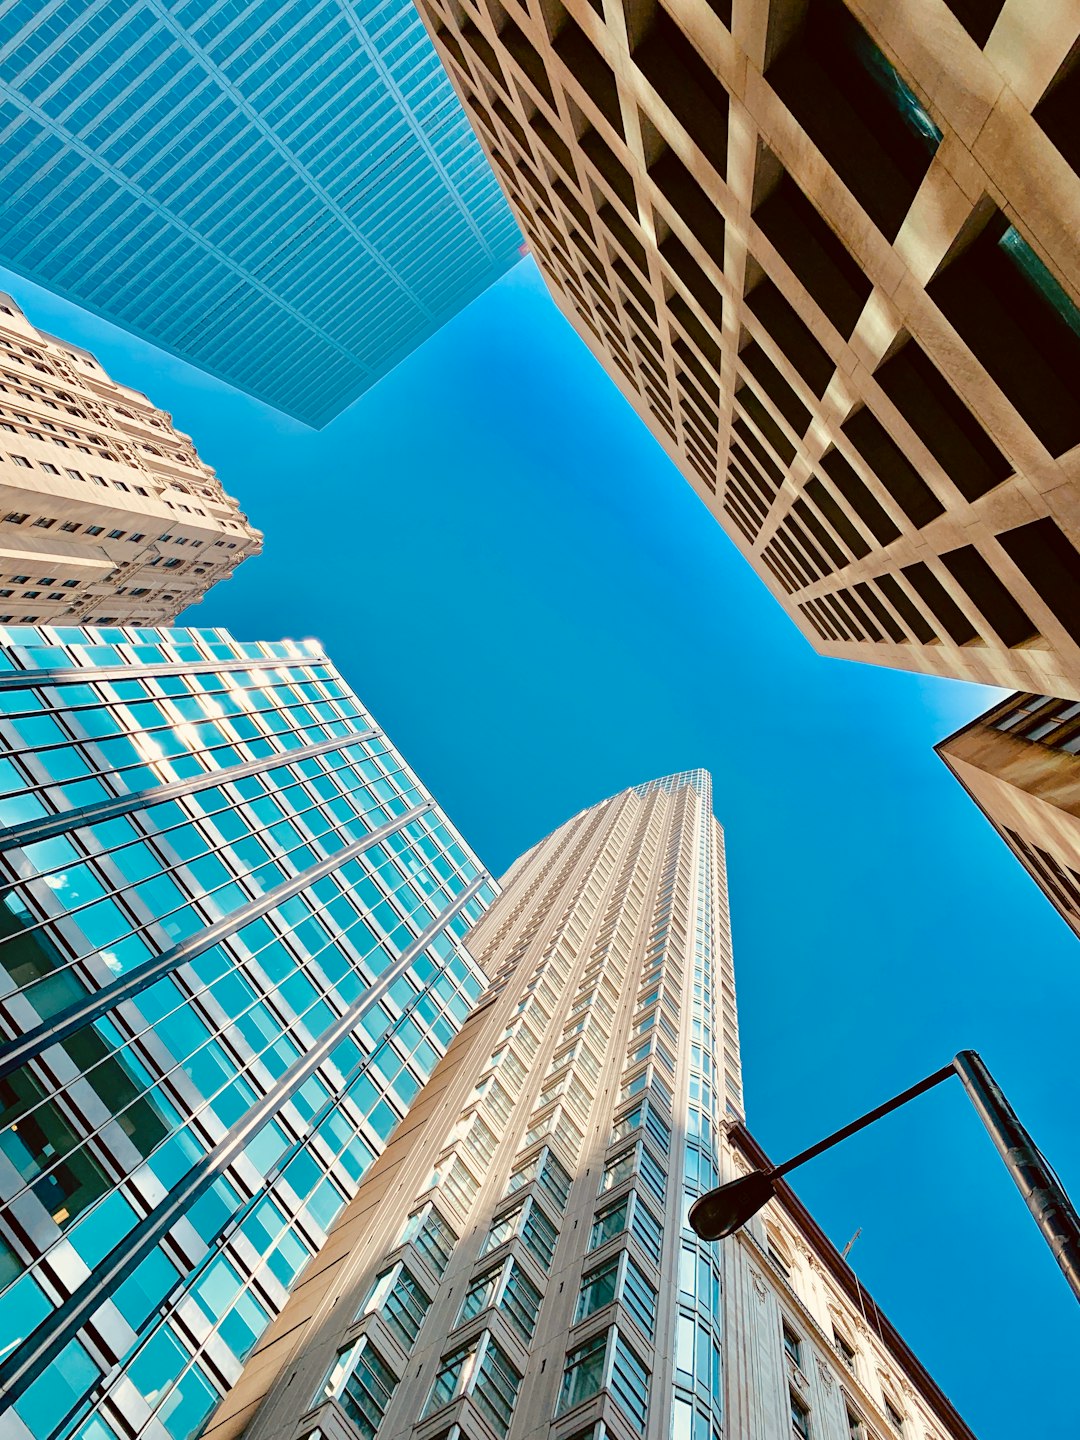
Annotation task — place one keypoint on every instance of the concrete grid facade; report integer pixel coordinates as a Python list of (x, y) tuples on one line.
[(518, 1261), (231, 954), (107, 514), (283, 192), (1020, 763), (830, 254)]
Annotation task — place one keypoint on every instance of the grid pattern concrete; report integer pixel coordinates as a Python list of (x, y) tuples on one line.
[(830, 254)]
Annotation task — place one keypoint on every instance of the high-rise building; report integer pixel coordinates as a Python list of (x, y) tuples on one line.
[(285, 194), (829, 253), (1020, 763), (107, 514), (518, 1262), (231, 953)]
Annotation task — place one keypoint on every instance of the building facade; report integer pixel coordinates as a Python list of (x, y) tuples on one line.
[(107, 514), (829, 251), (1020, 763), (231, 953), (518, 1262), (286, 195)]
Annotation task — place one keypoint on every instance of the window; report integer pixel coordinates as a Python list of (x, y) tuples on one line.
[(598, 1288), (609, 1222), (94, 529), (535, 1229), (363, 1385), (792, 1345), (13, 517), (21, 460), (800, 1418), (431, 1236), (483, 1372), (894, 1416), (583, 1373), (402, 1303), (116, 534), (845, 1350)]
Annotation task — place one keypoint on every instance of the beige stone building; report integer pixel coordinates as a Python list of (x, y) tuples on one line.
[(831, 254), (107, 514), (518, 1262), (1020, 763)]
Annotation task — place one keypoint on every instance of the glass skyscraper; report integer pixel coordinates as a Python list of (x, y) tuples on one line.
[(231, 954), (518, 1263), (286, 194)]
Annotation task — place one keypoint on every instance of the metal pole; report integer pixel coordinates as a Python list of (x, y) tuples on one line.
[(864, 1120), (1043, 1192)]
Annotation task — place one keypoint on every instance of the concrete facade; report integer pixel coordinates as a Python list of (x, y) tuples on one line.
[(107, 514), (1020, 763), (518, 1264), (830, 254)]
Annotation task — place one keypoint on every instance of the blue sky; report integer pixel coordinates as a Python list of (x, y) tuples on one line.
[(540, 612)]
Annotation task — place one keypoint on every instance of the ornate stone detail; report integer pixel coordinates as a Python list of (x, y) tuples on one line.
[(825, 1372), (759, 1284)]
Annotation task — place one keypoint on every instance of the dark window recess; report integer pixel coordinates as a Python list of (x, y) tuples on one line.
[(690, 203), (625, 236), (687, 86), (573, 205), (990, 595), (862, 619), (1056, 112), (757, 449), (892, 467), (477, 42), (590, 69), (446, 38), (781, 569), (766, 424), (812, 615), (704, 290), (754, 359), (1051, 565), (552, 143), (702, 339), (820, 260), (877, 607), (926, 584), (689, 358), (752, 502), (740, 519), (840, 618), (511, 122), (603, 157), (942, 421), (902, 603), (792, 335), (823, 536), (1021, 325), (523, 53), (792, 528), (857, 110), (636, 287), (837, 518), (859, 496), (757, 479), (795, 562), (706, 405), (978, 17), (722, 10)]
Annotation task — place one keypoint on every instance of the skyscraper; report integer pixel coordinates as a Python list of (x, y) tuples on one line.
[(1020, 763), (285, 194), (518, 1261), (231, 952), (107, 514), (829, 253)]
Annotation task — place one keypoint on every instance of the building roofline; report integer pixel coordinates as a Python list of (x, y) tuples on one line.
[(845, 1279)]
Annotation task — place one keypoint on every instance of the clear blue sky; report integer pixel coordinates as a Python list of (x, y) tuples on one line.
[(540, 612)]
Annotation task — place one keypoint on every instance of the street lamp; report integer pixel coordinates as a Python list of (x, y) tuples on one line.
[(723, 1211)]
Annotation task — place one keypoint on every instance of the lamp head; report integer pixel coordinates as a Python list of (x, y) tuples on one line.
[(723, 1211)]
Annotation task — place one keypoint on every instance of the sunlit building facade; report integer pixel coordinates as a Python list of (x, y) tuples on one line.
[(284, 194), (107, 514), (1020, 763), (518, 1262), (829, 253), (231, 953)]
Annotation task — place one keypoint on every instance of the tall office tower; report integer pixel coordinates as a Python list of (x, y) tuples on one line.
[(829, 251), (283, 192), (107, 514), (518, 1261), (231, 952), (1020, 763)]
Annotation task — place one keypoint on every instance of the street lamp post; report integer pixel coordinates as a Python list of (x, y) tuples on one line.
[(723, 1211)]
